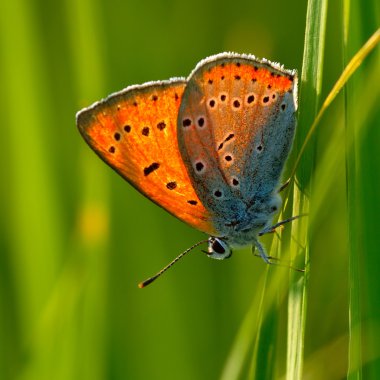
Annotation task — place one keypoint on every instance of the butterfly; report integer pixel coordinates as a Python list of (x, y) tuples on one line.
[(210, 149)]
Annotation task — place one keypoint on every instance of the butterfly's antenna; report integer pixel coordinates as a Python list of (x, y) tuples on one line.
[(158, 274), (273, 228)]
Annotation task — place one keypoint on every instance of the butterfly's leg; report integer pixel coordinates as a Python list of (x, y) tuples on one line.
[(279, 224), (284, 185), (262, 252)]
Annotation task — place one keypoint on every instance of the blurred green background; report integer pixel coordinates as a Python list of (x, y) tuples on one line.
[(76, 239)]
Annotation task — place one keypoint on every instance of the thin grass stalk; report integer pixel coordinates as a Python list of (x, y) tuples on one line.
[(248, 336), (354, 370), (263, 362), (33, 211), (310, 90), (348, 71), (92, 235), (243, 342), (311, 81)]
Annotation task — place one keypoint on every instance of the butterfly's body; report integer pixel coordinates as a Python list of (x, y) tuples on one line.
[(245, 226), (209, 149)]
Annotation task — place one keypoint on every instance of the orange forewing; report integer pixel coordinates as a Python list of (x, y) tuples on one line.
[(135, 132)]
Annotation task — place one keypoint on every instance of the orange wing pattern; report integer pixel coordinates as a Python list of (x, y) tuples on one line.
[(135, 132)]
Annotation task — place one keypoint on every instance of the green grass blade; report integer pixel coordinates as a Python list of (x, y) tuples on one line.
[(361, 245), (349, 70), (272, 291), (243, 341), (354, 368), (34, 227), (311, 82), (310, 93), (92, 235)]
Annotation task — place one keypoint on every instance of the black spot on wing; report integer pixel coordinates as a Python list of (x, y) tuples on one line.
[(151, 168)]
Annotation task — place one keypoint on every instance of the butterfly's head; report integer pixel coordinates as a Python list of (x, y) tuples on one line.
[(218, 249)]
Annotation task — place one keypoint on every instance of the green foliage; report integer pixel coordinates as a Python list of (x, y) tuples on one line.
[(76, 239)]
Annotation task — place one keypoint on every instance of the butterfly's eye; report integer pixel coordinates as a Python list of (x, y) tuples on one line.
[(218, 249)]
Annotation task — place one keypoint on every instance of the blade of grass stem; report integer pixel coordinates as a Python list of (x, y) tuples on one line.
[(352, 66), (310, 91), (84, 19)]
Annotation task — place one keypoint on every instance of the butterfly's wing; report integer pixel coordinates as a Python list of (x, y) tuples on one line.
[(135, 132), (236, 127)]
